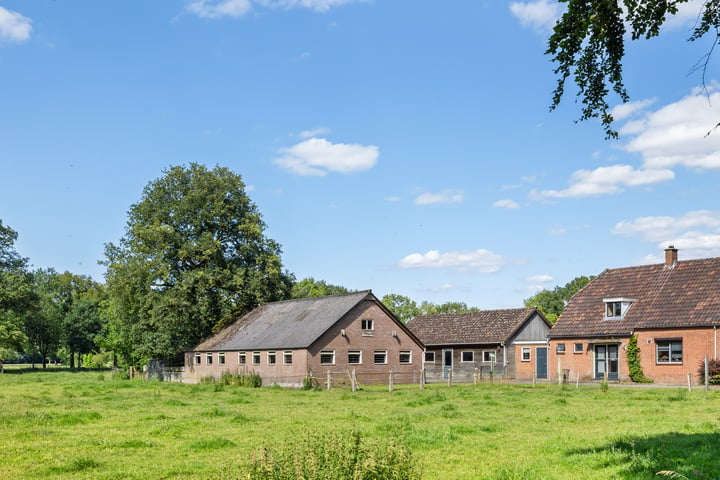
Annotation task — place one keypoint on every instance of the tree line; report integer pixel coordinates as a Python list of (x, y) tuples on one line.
[(193, 258)]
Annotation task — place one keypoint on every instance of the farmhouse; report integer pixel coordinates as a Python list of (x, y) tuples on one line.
[(510, 343), (286, 342), (672, 308)]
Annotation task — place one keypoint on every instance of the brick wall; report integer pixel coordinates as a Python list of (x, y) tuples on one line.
[(696, 343)]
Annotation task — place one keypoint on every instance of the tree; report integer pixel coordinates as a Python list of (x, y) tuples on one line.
[(552, 302), (193, 257), (15, 293), (429, 308), (309, 287), (588, 44), (401, 306), (43, 321)]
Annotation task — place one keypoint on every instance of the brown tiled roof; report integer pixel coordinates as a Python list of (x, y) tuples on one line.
[(487, 326), (684, 295)]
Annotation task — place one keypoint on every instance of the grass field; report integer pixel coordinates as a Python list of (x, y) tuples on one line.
[(87, 425)]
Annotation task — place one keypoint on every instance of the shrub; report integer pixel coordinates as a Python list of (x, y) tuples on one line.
[(633, 359), (338, 456), (252, 380), (310, 383), (713, 369)]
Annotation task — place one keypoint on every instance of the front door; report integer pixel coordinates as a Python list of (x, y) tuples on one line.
[(541, 362), (606, 361), (447, 361)]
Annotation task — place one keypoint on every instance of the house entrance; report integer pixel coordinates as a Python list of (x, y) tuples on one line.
[(606, 361), (447, 361), (541, 362)]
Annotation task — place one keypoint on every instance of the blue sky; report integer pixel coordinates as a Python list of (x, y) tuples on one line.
[(401, 146)]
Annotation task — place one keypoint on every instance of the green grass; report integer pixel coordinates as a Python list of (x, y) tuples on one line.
[(87, 425)]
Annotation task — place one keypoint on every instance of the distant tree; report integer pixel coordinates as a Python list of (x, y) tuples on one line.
[(15, 294), (552, 302), (588, 44), (194, 256), (309, 287), (429, 308), (401, 306), (43, 320)]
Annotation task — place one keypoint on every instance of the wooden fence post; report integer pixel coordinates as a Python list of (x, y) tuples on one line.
[(689, 375), (577, 381), (329, 380), (450, 375), (422, 379), (707, 373), (475, 376), (390, 382)]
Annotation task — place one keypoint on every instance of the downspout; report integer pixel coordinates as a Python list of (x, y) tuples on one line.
[(505, 362), (715, 342)]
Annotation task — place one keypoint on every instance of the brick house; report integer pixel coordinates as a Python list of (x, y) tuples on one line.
[(509, 343), (287, 341), (673, 308)]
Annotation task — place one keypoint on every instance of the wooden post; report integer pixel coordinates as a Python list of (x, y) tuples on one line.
[(577, 381), (422, 379), (390, 382), (534, 378), (475, 376), (689, 375), (329, 380), (353, 381), (450, 373), (559, 371), (707, 373)]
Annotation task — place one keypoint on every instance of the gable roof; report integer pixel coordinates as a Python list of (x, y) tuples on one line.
[(484, 327), (686, 294), (284, 325)]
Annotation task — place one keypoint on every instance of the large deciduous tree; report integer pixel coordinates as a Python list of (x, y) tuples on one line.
[(194, 256), (15, 293), (588, 44), (309, 287), (404, 308), (552, 302)]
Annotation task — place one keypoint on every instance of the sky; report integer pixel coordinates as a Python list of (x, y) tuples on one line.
[(401, 146)]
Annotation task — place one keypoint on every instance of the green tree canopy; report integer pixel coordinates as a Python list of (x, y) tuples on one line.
[(404, 308), (194, 256), (552, 302), (588, 44), (309, 287), (15, 293)]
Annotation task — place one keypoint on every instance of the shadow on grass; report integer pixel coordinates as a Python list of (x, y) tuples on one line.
[(693, 455)]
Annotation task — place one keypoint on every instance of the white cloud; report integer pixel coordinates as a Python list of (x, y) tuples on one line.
[(479, 260), (539, 15), (314, 132), (696, 234), (219, 8), (625, 110), (604, 181), (540, 279), (317, 5), (446, 196), (557, 231), (506, 204), (317, 156), (676, 133), (14, 27)]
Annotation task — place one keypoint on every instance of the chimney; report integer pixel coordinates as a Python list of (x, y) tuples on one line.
[(671, 256)]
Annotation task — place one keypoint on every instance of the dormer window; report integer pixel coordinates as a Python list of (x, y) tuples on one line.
[(617, 308)]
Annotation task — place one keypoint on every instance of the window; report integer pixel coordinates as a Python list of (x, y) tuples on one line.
[(429, 357), (327, 357), (669, 351), (468, 356), (613, 309), (405, 356), (525, 354), (256, 358), (616, 308), (488, 356), (560, 349), (221, 358), (242, 360), (198, 359), (355, 357), (272, 358), (208, 358), (367, 327), (287, 357), (577, 348), (380, 357)]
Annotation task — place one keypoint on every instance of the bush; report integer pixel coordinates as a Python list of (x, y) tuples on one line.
[(633, 359), (251, 380), (338, 456), (713, 369), (310, 383)]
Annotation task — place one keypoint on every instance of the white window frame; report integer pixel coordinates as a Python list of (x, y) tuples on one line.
[(287, 357), (523, 352), (576, 349), (359, 357), (472, 356), (489, 356), (408, 353), (617, 308), (367, 325), (256, 358), (242, 358), (209, 358), (384, 357), (668, 343), (221, 358), (272, 357), (431, 354), (560, 349), (332, 357), (198, 359)]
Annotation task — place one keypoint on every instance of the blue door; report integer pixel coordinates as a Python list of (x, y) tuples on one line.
[(541, 362)]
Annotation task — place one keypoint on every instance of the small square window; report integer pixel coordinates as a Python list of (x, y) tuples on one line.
[(367, 325), (242, 358), (613, 309), (429, 357), (271, 358), (560, 348), (577, 348), (221, 358), (380, 357), (327, 357), (256, 358), (525, 354), (208, 358), (467, 356), (488, 356), (355, 357), (406, 356), (287, 357), (198, 359)]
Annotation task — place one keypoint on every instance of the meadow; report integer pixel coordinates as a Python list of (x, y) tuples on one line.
[(92, 425)]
